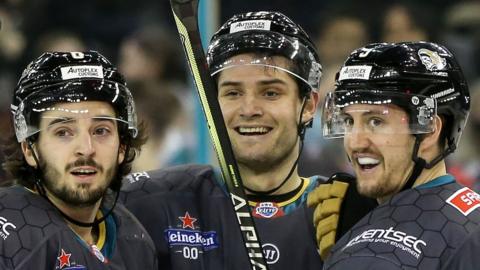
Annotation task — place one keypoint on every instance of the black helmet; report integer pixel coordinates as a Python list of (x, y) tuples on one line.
[(69, 77), (271, 33), (412, 75)]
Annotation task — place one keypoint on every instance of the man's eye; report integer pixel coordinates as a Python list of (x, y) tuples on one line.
[(63, 133), (375, 122), (348, 121), (271, 94), (231, 93), (101, 131)]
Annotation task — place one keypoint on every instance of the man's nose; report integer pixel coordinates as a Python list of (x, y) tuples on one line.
[(250, 107), (357, 139), (85, 145)]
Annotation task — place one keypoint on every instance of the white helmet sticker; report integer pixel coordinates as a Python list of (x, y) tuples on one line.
[(431, 60), (250, 25), (77, 72), (415, 100), (355, 73)]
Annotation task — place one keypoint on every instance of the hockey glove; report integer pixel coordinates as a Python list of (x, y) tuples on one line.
[(338, 206)]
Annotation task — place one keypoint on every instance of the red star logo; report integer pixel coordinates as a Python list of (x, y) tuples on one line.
[(187, 221), (64, 259)]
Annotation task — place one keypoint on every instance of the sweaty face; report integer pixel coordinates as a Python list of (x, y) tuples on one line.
[(379, 145), (261, 107), (79, 155)]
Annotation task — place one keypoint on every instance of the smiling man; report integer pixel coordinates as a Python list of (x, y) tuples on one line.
[(76, 136), (261, 104), (400, 114), (267, 80), (267, 73)]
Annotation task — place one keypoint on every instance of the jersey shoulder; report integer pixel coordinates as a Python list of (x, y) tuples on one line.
[(27, 221), (420, 228), (128, 224), (466, 256), (177, 179), (134, 245)]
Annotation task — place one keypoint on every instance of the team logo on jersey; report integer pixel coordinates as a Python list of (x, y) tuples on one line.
[(5, 226), (188, 221), (271, 253), (188, 234), (64, 262), (135, 177), (64, 259), (431, 60), (267, 210), (398, 239), (464, 200)]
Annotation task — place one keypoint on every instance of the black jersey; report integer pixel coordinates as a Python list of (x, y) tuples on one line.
[(33, 235), (420, 228), (190, 217)]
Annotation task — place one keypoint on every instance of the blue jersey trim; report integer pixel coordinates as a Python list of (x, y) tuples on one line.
[(292, 206), (439, 181), (219, 179), (109, 247), (110, 241)]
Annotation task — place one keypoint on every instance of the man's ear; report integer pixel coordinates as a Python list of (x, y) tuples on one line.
[(121, 153), (310, 107), (28, 154), (431, 142)]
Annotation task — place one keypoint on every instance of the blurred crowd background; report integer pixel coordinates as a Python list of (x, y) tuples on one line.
[(141, 39)]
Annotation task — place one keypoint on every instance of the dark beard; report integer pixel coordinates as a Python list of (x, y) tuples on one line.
[(81, 196)]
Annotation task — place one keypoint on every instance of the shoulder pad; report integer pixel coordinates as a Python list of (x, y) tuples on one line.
[(183, 178)]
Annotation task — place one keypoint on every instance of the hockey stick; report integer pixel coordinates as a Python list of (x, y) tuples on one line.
[(185, 13)]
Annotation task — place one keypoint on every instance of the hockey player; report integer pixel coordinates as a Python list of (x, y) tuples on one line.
[(267, 72), (401, 109), (76, 136)]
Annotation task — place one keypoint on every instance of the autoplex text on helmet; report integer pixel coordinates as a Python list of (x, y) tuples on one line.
[(250, 25), (73, 72)]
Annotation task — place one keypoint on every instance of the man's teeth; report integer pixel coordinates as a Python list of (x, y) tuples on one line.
[(253, 130), (367, 161), (84, 171)]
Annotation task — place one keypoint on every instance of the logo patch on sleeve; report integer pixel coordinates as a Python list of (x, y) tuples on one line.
[(464, 200)]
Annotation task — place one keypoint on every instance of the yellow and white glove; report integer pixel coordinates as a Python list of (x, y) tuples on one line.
[(338, 206)]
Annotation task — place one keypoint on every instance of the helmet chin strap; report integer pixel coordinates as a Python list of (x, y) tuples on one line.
[(420, 163), (301, 134), (41, 190)]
